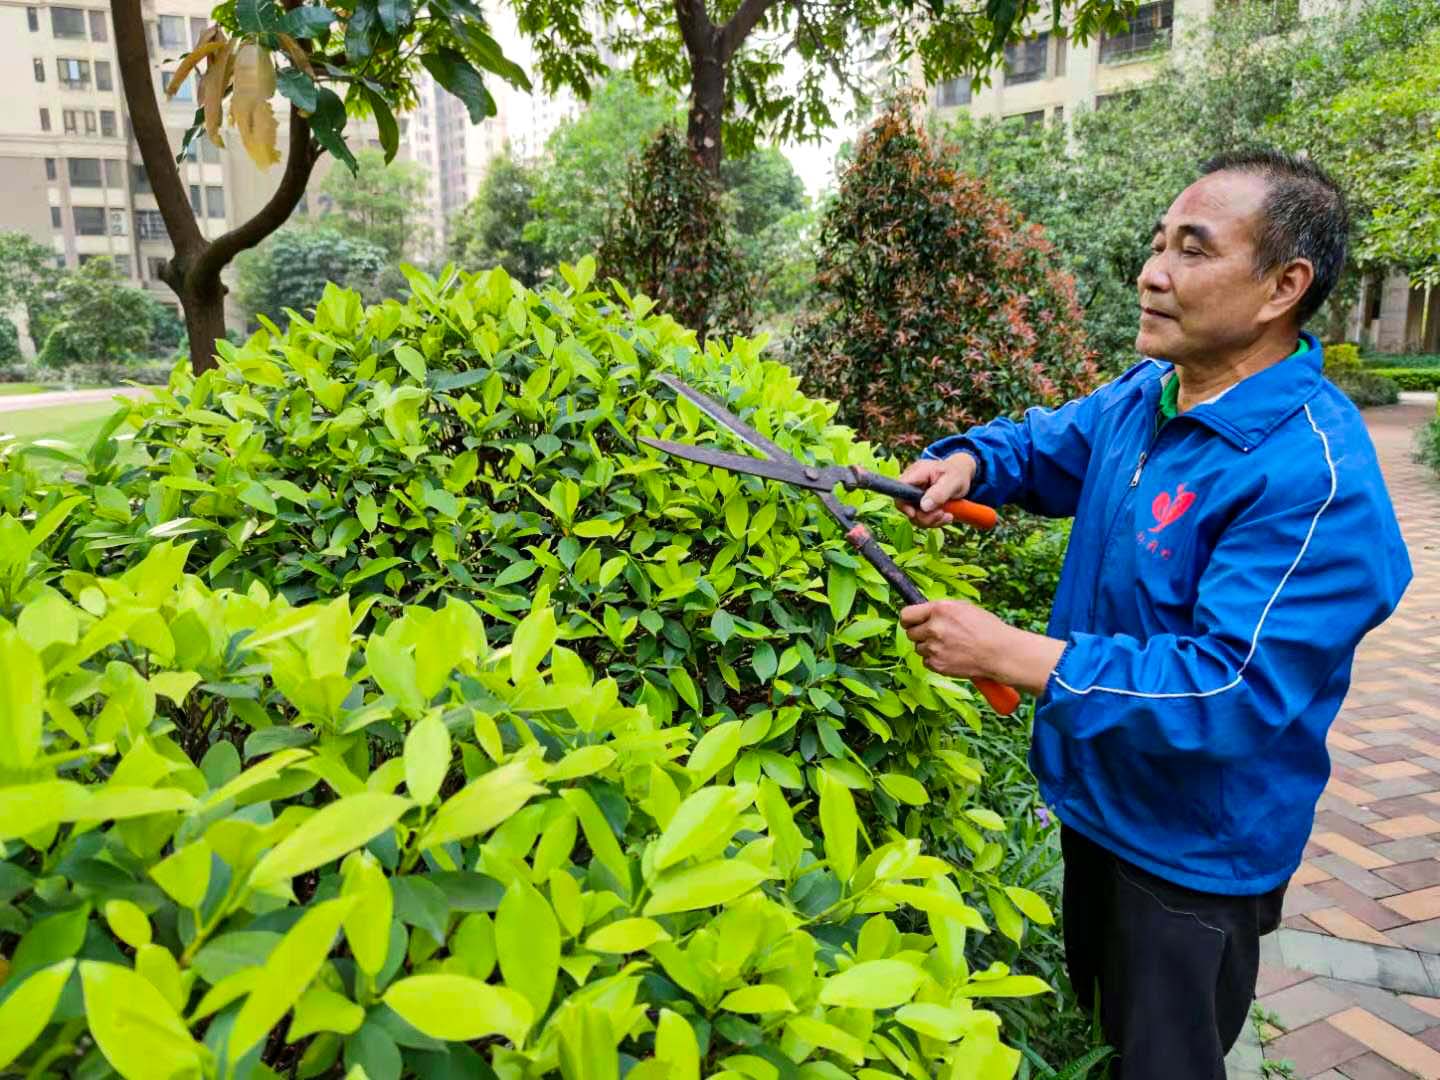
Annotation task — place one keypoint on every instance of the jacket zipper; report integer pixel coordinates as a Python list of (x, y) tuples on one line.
[(1124, 504)]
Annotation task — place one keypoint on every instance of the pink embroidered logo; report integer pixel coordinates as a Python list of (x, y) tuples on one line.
[(1167, 511)]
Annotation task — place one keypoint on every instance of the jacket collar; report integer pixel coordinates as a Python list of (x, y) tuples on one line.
[(1254, 407)]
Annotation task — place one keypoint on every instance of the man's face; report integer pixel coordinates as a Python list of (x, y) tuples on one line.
[(1199, 295)]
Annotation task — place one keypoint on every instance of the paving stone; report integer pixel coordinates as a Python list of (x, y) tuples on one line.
[(1314, 1048), (1390, 1007), (1405, 785), (1342, 868), (1376, 754), (1405, 804), (1370, 911), (1312, 1000), (1330, 821), (1302, 900), (1395, 969), (1276, 977), (1418, 905), (1410, 849), (1372, 1067), (1357, 852), (1413, 875), (1409, 826), (1389, 1042), (1307, 873), (1422, 936)]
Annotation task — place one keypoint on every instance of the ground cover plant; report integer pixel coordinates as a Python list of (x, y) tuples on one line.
[(386, 683)]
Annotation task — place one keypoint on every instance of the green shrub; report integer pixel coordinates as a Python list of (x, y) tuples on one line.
[(9, 342), (1427, 442), (1402, 360), (937, 306), (752, 798), (671, 240), (1366, 388), (1410, 378), (1340, 357)]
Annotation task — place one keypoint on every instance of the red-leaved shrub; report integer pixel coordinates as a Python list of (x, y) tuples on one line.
[(937, 306)]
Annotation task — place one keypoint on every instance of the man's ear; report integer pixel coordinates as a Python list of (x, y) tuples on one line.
[(1290, 286)]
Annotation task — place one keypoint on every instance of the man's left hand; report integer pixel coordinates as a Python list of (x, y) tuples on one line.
[(957, 638)]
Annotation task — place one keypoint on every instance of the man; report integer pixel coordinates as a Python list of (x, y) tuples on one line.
[(1233, 542)]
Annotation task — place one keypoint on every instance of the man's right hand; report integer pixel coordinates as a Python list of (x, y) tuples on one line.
[(943, 480)]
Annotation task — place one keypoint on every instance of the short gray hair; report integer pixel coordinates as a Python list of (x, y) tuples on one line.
[(1304, 216)]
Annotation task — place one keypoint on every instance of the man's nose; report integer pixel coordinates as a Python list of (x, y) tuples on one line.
[(1153, 277)]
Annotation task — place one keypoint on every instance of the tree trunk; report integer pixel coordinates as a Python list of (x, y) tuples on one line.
[(707, 105), (204, 306), (194, 270)]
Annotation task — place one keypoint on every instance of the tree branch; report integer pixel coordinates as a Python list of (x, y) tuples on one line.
[(298, 164), (734, 33), (171, 197), (695, 26)]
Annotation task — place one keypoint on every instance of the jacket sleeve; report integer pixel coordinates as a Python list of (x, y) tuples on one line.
[(1038, 463), (1286, 597)]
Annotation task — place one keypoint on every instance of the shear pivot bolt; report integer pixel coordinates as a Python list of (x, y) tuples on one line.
[(812, 474)]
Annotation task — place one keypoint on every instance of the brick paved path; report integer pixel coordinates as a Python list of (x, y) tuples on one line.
[(1352, 980)]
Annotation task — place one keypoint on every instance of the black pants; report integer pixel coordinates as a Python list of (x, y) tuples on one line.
[(1175, 968)]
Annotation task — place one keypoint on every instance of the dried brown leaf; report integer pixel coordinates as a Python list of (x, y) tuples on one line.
[(192, 58), (250, 109), (296, 53), (213, 85)]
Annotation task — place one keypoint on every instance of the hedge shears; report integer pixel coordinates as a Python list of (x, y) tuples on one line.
[(778, 465)]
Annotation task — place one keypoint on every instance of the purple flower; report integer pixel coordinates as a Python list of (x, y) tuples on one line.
[(1042, 815)]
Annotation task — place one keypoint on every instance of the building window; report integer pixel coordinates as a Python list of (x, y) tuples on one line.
[(118, 224), (139, 178), (195, 199), (1029, 119), (90, 126), (155, 267), (55, 216), (953, 92), (89, 221), (197, 27), (170, 32), (44, 119), (74, 74), (39, 70), (67, 22), (1121, 99), (149, 225), (68, 118), (32, 17), (49, 168), (102, 75), (107, 123), (215, 202), (209, 152), (84, 172), (1059, 115), (1062, 46), (183, 92), (1148, 29), (1025, 60), (98, 29), (122, 264), (114, 174)]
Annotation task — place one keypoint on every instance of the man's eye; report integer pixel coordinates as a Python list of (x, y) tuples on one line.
[(1192, 251)]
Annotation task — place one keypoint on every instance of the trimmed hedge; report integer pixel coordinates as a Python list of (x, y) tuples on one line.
[(1407, 378), (476, 737), (1365, 388)]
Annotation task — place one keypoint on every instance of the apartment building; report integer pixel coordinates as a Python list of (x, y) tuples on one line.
[(1046, 77)]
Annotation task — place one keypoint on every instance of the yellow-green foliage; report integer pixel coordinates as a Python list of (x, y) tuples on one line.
[(460, 735)]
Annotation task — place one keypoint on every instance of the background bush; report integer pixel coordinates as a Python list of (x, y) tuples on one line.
[(1366, 388), (936, 306), (671, 240), (693, 859), (1407, 378)]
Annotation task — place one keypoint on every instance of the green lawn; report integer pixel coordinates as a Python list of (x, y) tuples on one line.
[(11, 389), (74, 423)]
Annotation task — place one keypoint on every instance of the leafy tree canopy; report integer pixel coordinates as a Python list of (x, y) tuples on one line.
[(581, 181), (490, 231), (380, 203), (292, 268), (95, 318)]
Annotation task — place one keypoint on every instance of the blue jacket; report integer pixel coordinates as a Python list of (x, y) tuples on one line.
[(1221, 571)]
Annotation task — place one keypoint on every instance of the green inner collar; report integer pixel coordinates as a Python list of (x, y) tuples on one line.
[(1170, 389)]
